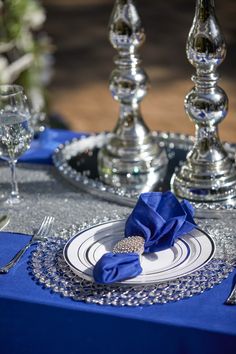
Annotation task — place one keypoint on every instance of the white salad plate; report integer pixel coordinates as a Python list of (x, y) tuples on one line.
[(189, 253)]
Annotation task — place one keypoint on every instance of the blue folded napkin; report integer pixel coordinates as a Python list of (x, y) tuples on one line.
[(160, 219), (42, 148), (114, 267)]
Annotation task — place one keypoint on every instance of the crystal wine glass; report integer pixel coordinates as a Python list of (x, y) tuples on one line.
[(15, 131)]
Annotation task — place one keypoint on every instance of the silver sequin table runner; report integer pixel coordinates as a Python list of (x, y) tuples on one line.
[(46, 193)]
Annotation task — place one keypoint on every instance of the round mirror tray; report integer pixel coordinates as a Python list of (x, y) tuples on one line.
[(76, 161)]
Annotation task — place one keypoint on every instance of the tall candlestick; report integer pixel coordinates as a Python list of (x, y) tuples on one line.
[(208, 174)]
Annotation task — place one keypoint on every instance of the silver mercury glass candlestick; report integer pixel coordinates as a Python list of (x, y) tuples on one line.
[(131, 158), (208, 174)]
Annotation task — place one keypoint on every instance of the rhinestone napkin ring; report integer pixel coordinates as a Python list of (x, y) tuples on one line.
[(131, 244)]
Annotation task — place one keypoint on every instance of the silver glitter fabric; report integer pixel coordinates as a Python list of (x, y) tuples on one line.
[(46, 193)]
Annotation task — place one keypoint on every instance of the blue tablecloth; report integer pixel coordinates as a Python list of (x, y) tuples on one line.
[(33, 320)]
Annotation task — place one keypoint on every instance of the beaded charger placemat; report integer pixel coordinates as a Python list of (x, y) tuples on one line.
[(49, 269)]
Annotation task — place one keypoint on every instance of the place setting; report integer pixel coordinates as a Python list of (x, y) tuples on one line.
[(95, 263), (140, 217), (127, 228)]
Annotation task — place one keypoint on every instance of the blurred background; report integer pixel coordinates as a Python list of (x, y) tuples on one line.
[(83, 60)]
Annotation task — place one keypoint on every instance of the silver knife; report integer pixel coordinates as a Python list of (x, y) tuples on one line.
[(4, 221), (231, 300)]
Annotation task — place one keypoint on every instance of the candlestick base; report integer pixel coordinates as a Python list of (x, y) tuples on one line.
[(200, 183), (135, 165)]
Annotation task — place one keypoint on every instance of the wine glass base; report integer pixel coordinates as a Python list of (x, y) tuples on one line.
[(12, 202)]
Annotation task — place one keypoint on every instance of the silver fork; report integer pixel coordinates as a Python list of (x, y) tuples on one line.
[(42, 233), (232, 297)]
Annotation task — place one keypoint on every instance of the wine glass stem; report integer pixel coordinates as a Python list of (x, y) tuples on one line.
[(14, 185)]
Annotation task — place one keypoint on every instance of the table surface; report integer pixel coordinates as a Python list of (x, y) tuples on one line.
[(198, 324)]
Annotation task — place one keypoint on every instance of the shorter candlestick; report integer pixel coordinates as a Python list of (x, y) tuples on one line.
[(131, 158)]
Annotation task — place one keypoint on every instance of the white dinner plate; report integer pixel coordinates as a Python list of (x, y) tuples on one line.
[(189, 253)]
